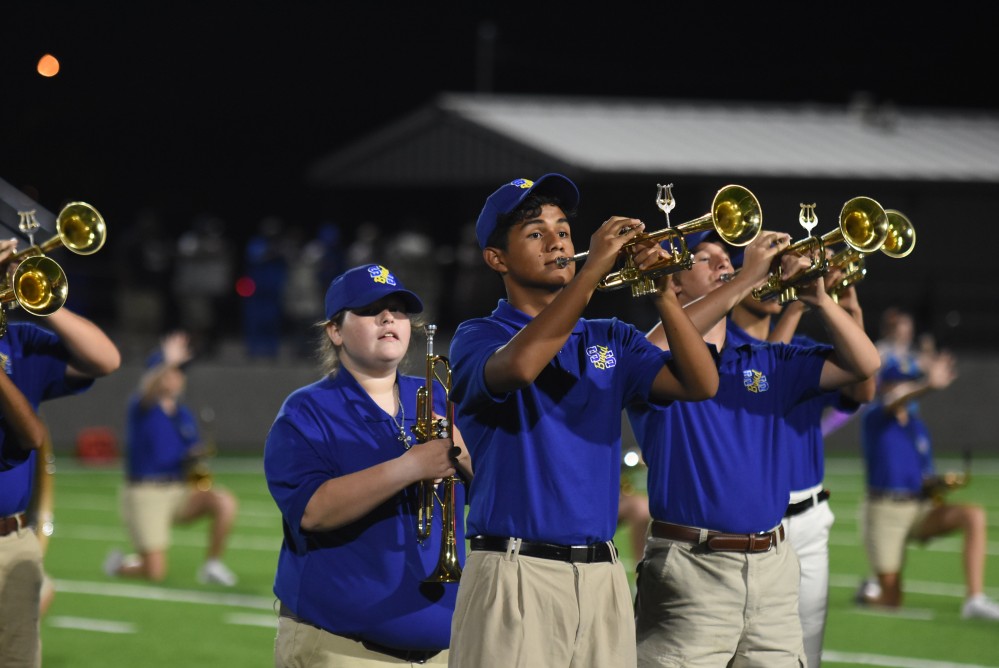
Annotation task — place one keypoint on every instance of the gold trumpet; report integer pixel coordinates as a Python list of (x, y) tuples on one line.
[(735, 215), (937, 486), (900, 242), (428, 428), (37, 283), (863, 225)]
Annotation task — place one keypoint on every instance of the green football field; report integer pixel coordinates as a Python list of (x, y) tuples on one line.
[(95, 620)]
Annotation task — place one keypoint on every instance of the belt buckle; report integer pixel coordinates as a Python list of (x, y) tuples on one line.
[(774, 537), (770, 537), (579, 553)]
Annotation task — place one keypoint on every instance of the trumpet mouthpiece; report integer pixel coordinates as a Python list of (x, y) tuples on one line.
[(562, 262)]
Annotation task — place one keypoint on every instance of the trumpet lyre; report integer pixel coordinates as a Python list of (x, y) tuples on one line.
[(863, 226), (735, 215)]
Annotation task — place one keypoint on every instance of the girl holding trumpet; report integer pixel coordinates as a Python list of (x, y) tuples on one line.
[(342, 464)]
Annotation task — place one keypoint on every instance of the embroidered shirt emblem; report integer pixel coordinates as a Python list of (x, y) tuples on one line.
[(601, 357), (755, 381)]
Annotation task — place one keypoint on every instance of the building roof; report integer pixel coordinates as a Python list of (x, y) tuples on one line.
[(477, 138)]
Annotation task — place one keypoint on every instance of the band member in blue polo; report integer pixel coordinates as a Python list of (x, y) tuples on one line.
[(164, 442), (808, 518), (719, 480), (39, 363), (540, 392), (900, 504), (342, 463)]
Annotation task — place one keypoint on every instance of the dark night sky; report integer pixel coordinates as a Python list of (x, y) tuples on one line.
[(221, 107)]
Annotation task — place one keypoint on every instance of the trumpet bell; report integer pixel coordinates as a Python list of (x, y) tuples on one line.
[(81, 228), (736, 215), (39, 285), (863, 224), (901, 235)]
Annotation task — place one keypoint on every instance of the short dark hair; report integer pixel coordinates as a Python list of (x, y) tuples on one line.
[(529, 208)]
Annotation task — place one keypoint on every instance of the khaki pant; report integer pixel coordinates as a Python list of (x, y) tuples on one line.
[(303, 646), (697, 608), (526, 612), (20, 593)]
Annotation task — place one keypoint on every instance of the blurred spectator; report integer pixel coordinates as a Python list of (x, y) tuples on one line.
[(362, 249), (143, 266), (202, 280), (414, 260), (328, 250), (263, 303), (474, 289), (303, 294)]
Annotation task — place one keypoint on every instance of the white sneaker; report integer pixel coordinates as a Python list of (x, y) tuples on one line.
[(869, 590), (980, 606), (113, 562), (215, 572)]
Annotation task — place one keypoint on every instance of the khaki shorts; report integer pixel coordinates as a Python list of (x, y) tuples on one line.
[(150, 509), (298, 645), (887, 525)]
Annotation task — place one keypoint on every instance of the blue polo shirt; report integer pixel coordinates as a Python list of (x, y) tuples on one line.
[(802, 427), (721, 464), (363, 580), (896, 456), (35, 360), (547, 457), (157, 444)]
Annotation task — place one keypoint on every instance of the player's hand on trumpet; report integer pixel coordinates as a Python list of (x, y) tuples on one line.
[(648, 253), (432, 460), (812, 293), (607, 242), (7, 248), (759, 255)]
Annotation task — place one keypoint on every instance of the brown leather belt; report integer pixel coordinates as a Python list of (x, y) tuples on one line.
[(717, 541), (12, 523)]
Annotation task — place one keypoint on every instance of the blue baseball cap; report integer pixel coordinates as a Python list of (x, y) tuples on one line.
[(697, 238), (510, 195), (365, 285), (735, 253)]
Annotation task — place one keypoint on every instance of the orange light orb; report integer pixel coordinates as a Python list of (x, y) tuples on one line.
[(48, 65)]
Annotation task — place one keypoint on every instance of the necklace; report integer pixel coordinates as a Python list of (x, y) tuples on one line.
[(400, 424)]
